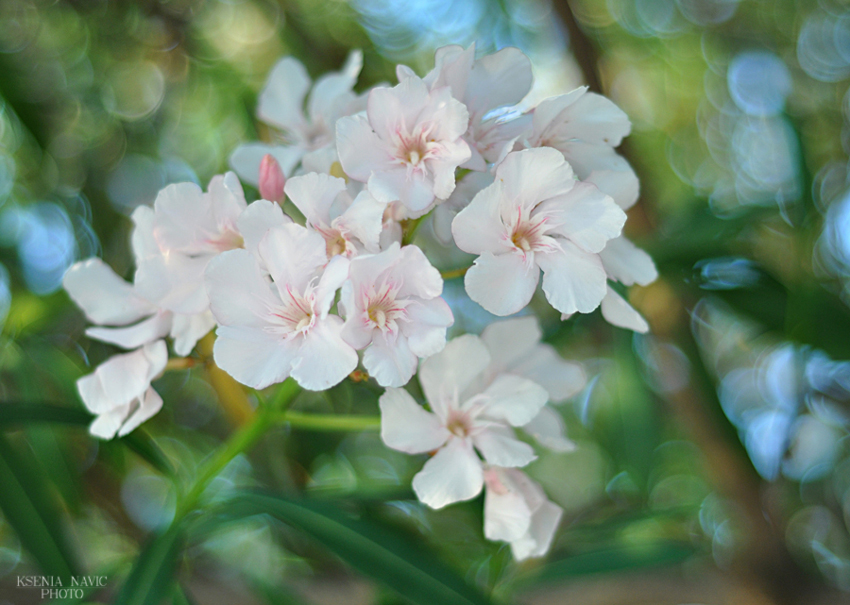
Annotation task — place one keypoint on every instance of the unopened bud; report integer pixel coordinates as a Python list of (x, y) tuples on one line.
[(271, 179)]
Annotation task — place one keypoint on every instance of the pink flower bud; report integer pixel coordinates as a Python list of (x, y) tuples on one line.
[(271, 179)]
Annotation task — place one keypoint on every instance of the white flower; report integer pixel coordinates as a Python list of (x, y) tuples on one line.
[(515, 348), (586, 127), (281, 105), (493, 82), (123, 317), (269, 331), (348, 226), (119, 391), (393, 307), (535, 216), (458, 426), (189, 227), (408, 144), (517, 511), (626, 263)]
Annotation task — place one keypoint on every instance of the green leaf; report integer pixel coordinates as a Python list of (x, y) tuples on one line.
[(626, 557), (151, 578), (29, 505), (139, 441), (372, 549)]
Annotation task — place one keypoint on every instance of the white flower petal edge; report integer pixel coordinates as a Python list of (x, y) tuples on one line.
[(537, 216), (119, 390), (517, 511)]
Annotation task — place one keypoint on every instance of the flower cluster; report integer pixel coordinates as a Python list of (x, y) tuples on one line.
[(334, 281)]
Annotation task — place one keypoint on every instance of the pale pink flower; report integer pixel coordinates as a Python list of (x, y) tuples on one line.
[(269, 331), (393, 309), (281, 105), (119, 391), (408, 144), (517, 511), (348, 226), (458, 426), (535, 216), (190, 227), (586, 127), (492, 83)]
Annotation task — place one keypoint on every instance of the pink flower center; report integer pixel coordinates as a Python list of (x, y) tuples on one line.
[(296, 315), (459, 424), (414, 149), (228, 239), (383, 309), (528, 234)]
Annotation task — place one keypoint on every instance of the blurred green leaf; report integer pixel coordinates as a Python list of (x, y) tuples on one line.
[(372, 549), (29, 506), (625, 557), (150, 580), (29, 413)]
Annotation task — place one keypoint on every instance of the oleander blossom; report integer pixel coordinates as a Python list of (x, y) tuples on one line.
[(270, 331), (393, 309), (458, 426), (625, 263), (189, 228), (348, 226), (489, 87), (119, 391), (408, 144), (535, 216), (517, 511), (298, 133)]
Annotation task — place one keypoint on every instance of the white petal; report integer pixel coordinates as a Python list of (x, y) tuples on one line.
[(426, 331), (361, 152), (451, 370), (364, 220), (257, 219), (414, 191), (174, 281), (227, 199), (148, 406), (142, 240), (500, 447), (497, 80), (502, 284), (187, 330), (239, 295), (581, 115), (478, 228), (510, 340), (252, 359), (391, 110), (104, 297), (280, 102), (132, 337), (332, 88), (506, 514), (406, 426), (548, 429), (313, 194), (602, 166), (561, 378), (514, 399), (544, 524), (416, 274), (617, 311), (324, 358), (389, 360), (627, 263), (184, 218), (332, 278), (106, 425), (292, 254), (454, 474), (245, 160), (533, 175), (573, 280), (586, 216)]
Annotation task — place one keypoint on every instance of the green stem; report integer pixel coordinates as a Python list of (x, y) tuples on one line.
[(328, 422), (453, 273)]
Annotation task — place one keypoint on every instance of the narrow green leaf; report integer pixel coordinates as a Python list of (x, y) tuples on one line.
[(638, 556), (29, 506), (151, 578), (15, 413), (372, 549)]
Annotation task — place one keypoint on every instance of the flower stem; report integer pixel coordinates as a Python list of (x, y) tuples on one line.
[(453, 273), (328, 422), (231, 394)]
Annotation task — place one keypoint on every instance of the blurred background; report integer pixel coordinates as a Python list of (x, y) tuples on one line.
[(712, 464)]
